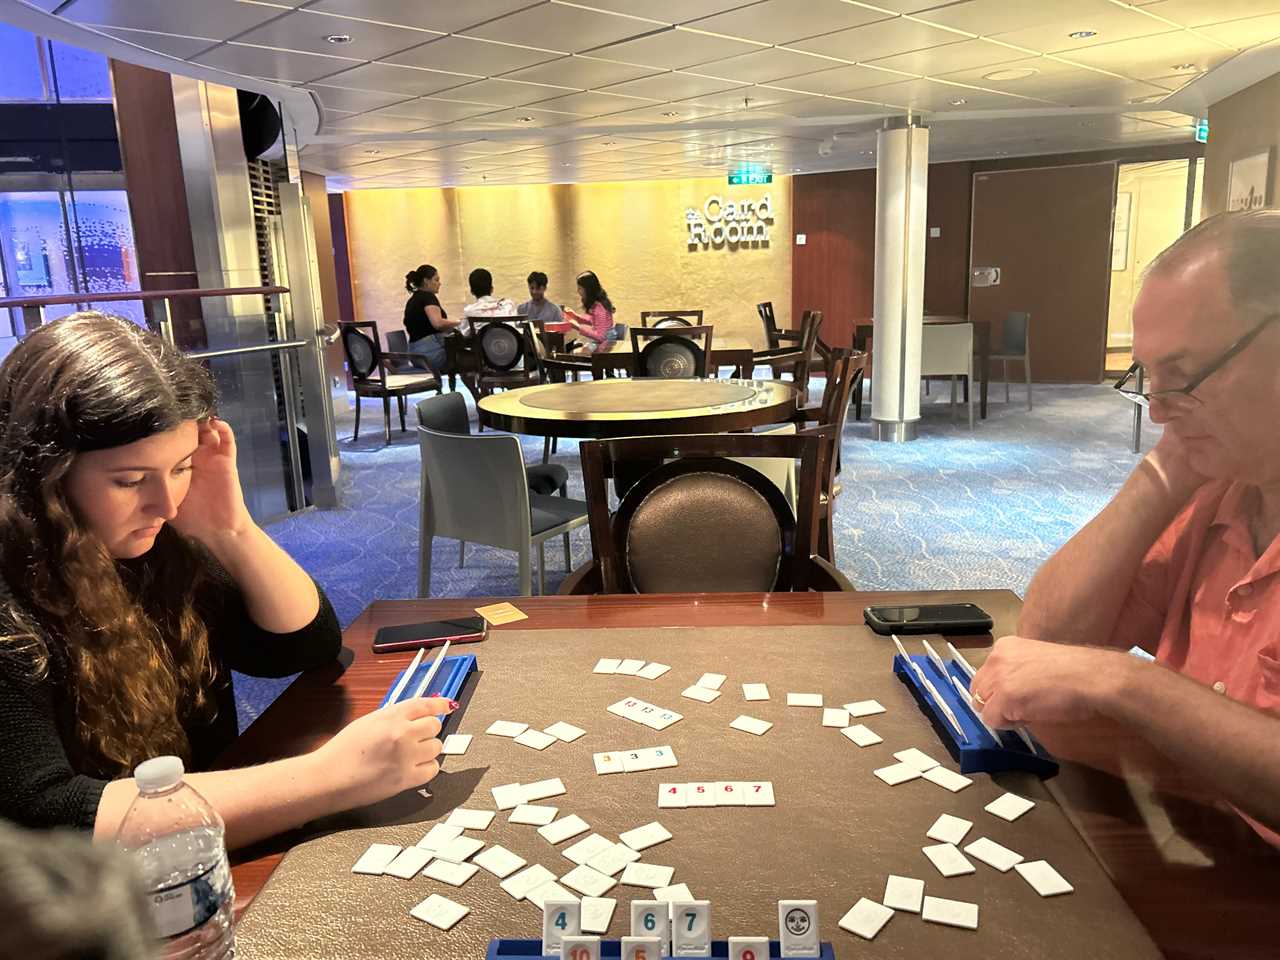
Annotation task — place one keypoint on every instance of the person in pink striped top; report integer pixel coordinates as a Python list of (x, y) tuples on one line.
[(596, 321)]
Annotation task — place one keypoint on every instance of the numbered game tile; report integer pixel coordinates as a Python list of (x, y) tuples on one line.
[(948, 859), (441, 835), (947, 779), (751, 725), (455, 744), (1045, 880), (987, 851), (755, 691), (612, 860), (508, 796), (804, 700), (759, 794), (700, 694), (565, 732), (866, 918), (864, 708), (597, 913), (649, 875), (548, 891), (606, 665), (629, 668), (586, 848), (409, 863), (536, 739), (452, 873), (642, 838), (470, 819), (680, 893), (591, 883), (526, 881), (376, 859), (499, 861), (506, 728), (835, 717), (897, 773), (440, 912), (606, 763), (672, 795), (652, 671), (1009, 807), (903, 893), (916, 758), (952, 913), (460, 850), (543, 790), (949, 829), (711, 681), (533, 815), (563, 829), (862, 735)]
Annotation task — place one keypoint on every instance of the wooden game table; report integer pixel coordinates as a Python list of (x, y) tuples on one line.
[(834, 835)]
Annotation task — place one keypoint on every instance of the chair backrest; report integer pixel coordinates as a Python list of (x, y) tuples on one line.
[(946, 348), (364, 356), (446, 413), (810, 326), (671, 318), (550, 367), (670, 531), (501, 345), (474, 488), (770, 322), (780, 470), (671, 355), (1013, 337), (844, 372)]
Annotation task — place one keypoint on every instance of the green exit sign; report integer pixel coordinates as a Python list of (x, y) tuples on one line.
[(1202, 130), (750, 175)]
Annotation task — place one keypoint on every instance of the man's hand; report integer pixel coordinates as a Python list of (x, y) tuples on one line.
[(1029, 682)]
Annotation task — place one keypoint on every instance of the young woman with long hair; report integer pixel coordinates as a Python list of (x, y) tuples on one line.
[(596, 320), (424, 318), (133, 581)]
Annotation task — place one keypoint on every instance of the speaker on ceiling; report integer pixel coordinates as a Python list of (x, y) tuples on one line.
[(259, 123)]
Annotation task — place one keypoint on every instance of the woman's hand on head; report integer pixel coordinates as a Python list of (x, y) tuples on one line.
[(214, 505)]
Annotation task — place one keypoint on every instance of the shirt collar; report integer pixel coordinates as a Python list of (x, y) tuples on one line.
[(1233, 517)]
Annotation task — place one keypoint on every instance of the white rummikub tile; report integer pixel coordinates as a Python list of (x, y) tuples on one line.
[(1044, 880), (597, 913), (835, 717), (533, 814), (586, 848), (470, 819), (1009, 807), (440, 912), (949, 829), (536, 739), (548, 891), (948, 860), (804, 699), (751, 725), (948, 779), (918, 759), (755, 691), (731, 793), (759, 793), (499, 861), (543, 790), (441, 835), (611, 860), (508, 796), (506, 728), (672, 795), (864, 708), (642, 838), (862, 735), (866, 918), (679, 893), (897, 773), (993, 854), (629, 668), (607, 763), (606, 665), (563, 829), (455, 744), (649, 875), (452, 873), (700, 694), (524, 882), (652, 671), (460, 850), (409, 863), (953, 913), (711, 681), (376, 859), (903, 893), (700, 794), (565, 732), (589, 882)]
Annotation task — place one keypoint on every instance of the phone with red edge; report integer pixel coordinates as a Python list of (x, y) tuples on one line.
[(414, 636)]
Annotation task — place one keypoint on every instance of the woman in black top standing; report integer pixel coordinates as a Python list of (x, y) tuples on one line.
[(424, 318), (133, 581)]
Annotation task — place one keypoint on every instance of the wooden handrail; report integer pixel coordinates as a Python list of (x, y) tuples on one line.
[(104, 297)]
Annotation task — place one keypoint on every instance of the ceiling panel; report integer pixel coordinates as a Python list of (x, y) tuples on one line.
[(676, 49), (1246, 33), (1155, 56), (582, 72), (884, 38), (1197, 13), (986, 17), (390, 78), (184, 48), (928, 95), (762, 66), (472, 55), (592, 103), (1111, 93), (831, 107), (304, 30), (373, 123), (776, 21), (353, 101), (1106, 21), (509, 93), (673, 86), (526, 118), (447, 16), (838, 80), (1048, 75), (288, 65), (438, 110), (669, 11), (182, 17), (558, 27), (756, 98), (949, 57)]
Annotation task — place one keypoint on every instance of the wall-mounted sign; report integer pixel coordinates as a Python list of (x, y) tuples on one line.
[(750, 174), (1202, 130), (723, 222)]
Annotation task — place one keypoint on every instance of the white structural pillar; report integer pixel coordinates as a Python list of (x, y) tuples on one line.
[(902, 176)]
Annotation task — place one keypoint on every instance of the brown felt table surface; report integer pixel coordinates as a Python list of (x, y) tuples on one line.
[(836, 832)]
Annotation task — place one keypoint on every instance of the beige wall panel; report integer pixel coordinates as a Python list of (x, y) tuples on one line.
[(1241, 125), (633, 235)]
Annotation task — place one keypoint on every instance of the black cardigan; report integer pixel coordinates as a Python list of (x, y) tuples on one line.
[(39, 786)]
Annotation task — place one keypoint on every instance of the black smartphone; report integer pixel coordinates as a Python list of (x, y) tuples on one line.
[(411, 636), (929, 618)]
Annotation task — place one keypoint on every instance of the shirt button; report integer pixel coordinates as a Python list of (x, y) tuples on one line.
[(1219, 687), (1245, 589)]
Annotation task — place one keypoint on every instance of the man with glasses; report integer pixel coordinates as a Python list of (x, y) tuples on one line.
[(1185, 560)]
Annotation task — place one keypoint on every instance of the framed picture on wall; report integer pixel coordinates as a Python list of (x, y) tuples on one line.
[(1120, 232), (1249, 179)]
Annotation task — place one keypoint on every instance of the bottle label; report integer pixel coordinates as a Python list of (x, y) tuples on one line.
[(183, 907)]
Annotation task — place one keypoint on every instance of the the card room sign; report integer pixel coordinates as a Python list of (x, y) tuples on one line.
[(729, 224)]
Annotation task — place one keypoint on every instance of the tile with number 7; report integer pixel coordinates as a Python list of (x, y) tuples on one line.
[(691, 929), (758, 793)]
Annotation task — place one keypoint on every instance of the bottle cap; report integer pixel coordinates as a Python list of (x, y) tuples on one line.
[(158, 773)]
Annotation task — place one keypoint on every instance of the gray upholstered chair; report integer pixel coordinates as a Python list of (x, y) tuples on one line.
[(1015, 345), (474, 488)]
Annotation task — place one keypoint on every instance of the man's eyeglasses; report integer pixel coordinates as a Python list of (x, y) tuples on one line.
[(1130, 385)]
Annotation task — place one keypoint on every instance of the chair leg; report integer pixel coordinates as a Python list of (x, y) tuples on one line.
[(1004, 369), (400, 404), (567, 560), (386, 418), (356, 433), (926, 386), (424, 566), (1026, 366), (546, 450), (526, 571), (953, 399), (462, 554), (971, 401), (542, 568)]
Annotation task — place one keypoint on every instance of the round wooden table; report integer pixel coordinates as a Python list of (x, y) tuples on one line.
[(593, 409)]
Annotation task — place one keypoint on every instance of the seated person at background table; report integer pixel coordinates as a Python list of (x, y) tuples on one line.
[(486, 304), (1185, 560), (424, 318), (133, 581), (596, 320), (538, 307)]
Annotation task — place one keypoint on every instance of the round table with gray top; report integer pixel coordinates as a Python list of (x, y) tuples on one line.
[(594, 409)]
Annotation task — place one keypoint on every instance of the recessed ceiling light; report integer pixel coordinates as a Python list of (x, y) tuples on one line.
[(525, 119), (670, 113), (338, 38), (1184, 67), (1082, 34), (1016, 73), (868, 153), (372, 152), (959, 102)]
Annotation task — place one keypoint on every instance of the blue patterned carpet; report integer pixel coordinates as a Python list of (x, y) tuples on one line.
[(953, 509)]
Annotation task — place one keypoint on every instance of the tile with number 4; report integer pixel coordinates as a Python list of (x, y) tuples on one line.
[(560, 918), (672, 795)]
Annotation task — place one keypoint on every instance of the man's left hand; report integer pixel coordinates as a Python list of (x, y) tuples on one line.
[(1029, 682)]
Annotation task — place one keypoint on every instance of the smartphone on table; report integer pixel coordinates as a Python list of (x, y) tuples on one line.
[(413, 636), (944, 618)]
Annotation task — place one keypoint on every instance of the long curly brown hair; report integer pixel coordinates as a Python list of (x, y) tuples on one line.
[(122, 637)]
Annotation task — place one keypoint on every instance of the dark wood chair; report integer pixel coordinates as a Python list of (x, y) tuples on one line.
[(671, 353), (670, 530), (777, 339), (670, 318), (800, 358), (506, 363), (374, 373), (844, 376)]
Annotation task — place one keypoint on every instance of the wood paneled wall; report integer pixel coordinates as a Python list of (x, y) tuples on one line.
[(341, 257), (946, 260), (313, 185)]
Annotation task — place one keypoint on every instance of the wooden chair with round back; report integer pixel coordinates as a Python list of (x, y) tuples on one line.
[(671, 353), (374, 374)]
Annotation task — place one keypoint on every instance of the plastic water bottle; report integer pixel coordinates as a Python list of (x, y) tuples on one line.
[(177, 841)]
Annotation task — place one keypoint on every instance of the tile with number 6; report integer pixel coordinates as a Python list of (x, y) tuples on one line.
[(652, 918)]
